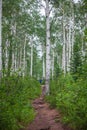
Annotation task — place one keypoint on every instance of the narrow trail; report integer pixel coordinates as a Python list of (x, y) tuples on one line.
[(46, 118)]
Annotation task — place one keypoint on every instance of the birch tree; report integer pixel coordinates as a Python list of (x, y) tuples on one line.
[(24, 57), (53, 64), (47, 47), (43, 60), (31, 68), (0, 38), (63, 53)]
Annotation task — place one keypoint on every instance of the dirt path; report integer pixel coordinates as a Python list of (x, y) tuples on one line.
[(46, 118)]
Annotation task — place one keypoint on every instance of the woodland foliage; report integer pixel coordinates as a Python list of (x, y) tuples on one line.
[(16, 94), (23, 55), (69, 95)]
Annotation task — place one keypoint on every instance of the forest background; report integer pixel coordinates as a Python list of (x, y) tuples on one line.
[(50, 46)]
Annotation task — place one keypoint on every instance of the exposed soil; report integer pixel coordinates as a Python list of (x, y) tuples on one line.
[(46, 118)]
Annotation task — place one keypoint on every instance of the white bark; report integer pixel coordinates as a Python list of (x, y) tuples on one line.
[(64, 51), (67, 51), (24, 60), (69, 45), (13, 59), (6, 54), (31, 68), (58, 60), (68, 40), (14, 50), (47, 47), (73, 31), (20, 59), (43, 65), (53, 65), (15, 62), (0, 38), (14, 68)]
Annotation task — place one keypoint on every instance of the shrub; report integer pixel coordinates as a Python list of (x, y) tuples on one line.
[(72, 101), (16, 94), (70, 97)]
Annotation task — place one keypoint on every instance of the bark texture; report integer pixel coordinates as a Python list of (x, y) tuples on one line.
[(47, 47), (0, 38)]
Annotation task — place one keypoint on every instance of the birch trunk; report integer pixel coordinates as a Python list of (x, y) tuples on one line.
[(85, 50), (24, 60), (20, 58), (43, 65), (6, 54), (14, 49), (31, 68), (67, 51), (64, 51), (73, 31), (0, 38), (13, 59), (47, 48), (69, 44), (53, 65)]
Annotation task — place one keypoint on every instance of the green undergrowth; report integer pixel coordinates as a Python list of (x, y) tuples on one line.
[(70, 98), (16, 95)]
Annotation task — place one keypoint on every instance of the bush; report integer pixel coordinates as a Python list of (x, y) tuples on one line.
[(56, 87), (73, 104), (16, 94), (70, 98)]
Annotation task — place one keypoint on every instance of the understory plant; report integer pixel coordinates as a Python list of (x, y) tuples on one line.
[(16, 95), (70, 98)]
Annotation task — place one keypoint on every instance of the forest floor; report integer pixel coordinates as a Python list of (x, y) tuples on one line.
[(46, 117)]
